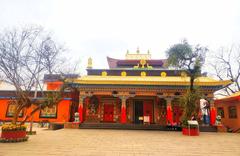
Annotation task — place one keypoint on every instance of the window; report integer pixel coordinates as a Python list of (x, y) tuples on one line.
[(49, 112), (220, 111), (11, 109), (232, 110)]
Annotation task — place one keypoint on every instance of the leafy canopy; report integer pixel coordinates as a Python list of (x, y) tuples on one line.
[(184, 56)]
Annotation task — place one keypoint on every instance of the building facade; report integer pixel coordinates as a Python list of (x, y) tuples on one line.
[(134, 90), (229, 110)]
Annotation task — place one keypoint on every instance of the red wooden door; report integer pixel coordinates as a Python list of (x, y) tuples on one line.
[(108, 112), (148, 110)]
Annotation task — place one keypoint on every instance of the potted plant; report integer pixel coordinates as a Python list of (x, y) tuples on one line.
[(189, 102), (13, 133)]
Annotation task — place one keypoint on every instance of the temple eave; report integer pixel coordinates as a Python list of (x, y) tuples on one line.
[(145, 81)]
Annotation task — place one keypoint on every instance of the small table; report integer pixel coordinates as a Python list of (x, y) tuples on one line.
[(192, 122)]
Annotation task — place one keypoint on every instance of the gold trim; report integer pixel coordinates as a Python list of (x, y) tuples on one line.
[(149, 80)]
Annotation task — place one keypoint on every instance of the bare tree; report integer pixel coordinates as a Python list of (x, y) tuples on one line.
[(26, 54), (226, 65)]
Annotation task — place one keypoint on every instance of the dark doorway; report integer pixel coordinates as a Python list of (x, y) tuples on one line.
[(138, 112)]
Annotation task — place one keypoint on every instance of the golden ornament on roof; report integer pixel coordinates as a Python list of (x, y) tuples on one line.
[(149, 67), (143, 62), (138, 51), (89, 62)]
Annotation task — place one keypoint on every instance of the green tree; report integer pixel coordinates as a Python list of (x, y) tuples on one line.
[(191, 59)]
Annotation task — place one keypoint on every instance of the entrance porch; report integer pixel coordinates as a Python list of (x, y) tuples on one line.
[(138, 110)]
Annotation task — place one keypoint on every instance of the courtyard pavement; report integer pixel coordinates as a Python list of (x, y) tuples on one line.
[(97, 142)]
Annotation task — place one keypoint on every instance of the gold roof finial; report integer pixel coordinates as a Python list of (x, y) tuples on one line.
[(148, 51), (138, 51), (89, 63)]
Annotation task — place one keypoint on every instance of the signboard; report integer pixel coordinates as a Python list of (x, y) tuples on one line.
[(146, 119), (192, 122)]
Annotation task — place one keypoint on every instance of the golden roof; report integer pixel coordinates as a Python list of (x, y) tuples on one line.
[(149, 80)]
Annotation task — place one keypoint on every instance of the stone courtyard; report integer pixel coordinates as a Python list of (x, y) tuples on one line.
[(74, 142)]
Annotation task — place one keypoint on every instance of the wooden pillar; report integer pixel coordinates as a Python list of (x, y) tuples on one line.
[(212, 112), (80, 108), (169, 111), (124, 97), (123, 110)]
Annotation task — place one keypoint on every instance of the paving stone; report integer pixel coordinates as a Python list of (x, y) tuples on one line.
[(123, 142)]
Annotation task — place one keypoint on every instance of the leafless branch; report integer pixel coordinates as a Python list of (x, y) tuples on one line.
[(25, 56), (227, 66)]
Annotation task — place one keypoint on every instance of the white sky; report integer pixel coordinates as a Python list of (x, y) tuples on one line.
[(100, 28)]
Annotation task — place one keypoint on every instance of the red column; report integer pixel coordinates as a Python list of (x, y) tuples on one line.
[(80, 109), (123, 111), (169, 112), (212, 113)]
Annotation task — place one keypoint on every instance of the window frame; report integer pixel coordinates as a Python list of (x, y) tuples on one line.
[(20, 115), (51, 117), (230, 115)]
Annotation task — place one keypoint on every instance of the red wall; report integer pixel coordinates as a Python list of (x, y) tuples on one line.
[(3, 109), (63, 112), (54, 85), (233, 123)]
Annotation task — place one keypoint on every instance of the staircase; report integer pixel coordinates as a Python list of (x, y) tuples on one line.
[(140, 127), (126, 126)]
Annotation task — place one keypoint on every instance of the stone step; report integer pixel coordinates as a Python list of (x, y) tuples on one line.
[(208, 129), (140, 127), (126, 126)]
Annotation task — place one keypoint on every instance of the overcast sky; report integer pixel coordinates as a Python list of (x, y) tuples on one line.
[(100, 28)]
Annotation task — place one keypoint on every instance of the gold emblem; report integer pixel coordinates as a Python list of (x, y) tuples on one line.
[(104, 73), (163, 74), (143, 74), (183, 74), (123, 73)]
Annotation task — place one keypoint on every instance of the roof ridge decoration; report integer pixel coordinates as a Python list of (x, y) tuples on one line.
[(143, 64), (138, 55)]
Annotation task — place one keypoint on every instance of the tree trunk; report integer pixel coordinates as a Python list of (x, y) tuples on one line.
[(15, 116), (191, 82), (31, 114)]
